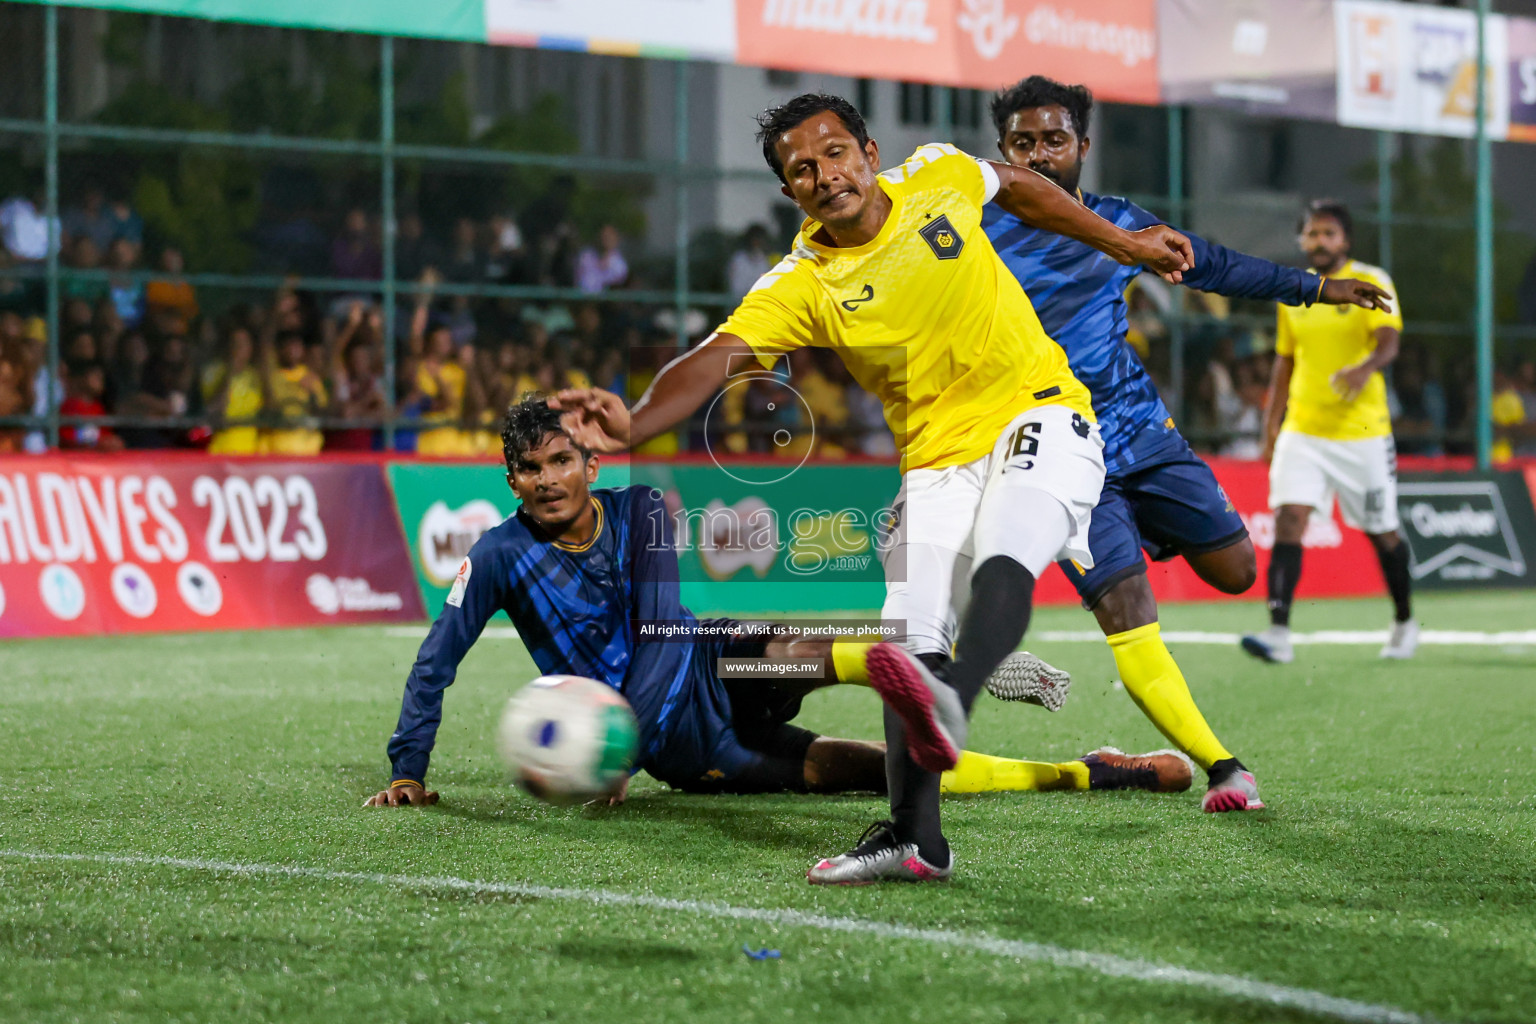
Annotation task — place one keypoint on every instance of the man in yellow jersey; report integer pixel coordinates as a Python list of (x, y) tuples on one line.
[(1336, 437), (1000, 457), (295, 397)]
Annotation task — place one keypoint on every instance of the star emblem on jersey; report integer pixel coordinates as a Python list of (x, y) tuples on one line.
[(852, 305), (942, 238)]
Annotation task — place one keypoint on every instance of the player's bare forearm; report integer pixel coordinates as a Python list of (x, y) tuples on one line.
[(1274, 402), (597, 419), (1388, 342), (1041, 203), (684, 385)]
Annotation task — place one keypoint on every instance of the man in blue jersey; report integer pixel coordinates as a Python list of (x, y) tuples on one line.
[(579, 570), (1158, 495)]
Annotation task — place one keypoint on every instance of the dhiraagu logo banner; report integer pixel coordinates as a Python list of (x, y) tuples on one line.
[(748, 543)]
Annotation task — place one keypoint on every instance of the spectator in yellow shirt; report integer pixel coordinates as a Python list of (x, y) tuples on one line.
[(232, 396), (1509, 417), (295, 398), (441, 378)]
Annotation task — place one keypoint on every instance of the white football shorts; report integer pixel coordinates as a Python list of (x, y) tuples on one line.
[(1310, 471), (1031, 498)]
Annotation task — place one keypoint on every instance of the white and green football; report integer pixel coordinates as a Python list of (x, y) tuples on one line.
[(568, 739)]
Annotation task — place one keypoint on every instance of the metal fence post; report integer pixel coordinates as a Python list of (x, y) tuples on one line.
[(1384, 200), (51, 208), (680, 200), (1484, 313), (387, 176), (1176, 217)]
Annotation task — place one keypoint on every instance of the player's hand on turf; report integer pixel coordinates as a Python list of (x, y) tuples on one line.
[(1347, 291), (1351, 380), (621, 794), (1162, 249), (403, 796), (595, 419)]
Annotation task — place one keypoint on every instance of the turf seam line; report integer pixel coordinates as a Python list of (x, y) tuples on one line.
[(1428, 637), (1109, 965)]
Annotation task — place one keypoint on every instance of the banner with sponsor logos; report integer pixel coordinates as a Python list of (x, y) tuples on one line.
[(1413, 68), (704, 29), (1468, 529), (768, 537), (1271, 58), (983, 44), (1109, 45), (1522, 79), (129, 544)]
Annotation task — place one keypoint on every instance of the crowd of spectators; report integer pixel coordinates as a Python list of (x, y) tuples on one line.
[(300, 371)]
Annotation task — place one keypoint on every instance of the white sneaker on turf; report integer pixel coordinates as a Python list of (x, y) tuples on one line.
[(1022, 676), (878, 858), (1237, 792), (1403, 641), (929, 707), (1274, 644)]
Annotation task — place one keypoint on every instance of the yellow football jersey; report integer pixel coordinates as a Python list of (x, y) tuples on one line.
[(1325, 339), (925, 316)]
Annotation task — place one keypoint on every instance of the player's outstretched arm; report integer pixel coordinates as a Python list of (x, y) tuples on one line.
[(1238, 275), (1041, 203), (597, 419)]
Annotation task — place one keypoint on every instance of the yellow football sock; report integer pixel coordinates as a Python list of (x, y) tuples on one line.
[(983, 773), (848, 661), (1154, 681)]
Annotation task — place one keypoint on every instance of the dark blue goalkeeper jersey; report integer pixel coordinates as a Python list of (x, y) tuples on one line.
[(1079, 294), (575, 608)]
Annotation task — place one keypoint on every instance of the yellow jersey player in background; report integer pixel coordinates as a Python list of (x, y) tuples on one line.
[(1336, 438), (1001, 460)]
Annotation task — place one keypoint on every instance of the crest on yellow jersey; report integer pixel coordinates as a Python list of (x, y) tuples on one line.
[(942, 238)]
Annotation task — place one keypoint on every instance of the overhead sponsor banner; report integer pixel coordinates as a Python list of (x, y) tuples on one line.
[(441, 19), (1108, 45), (678, 28), (911, 40), (1469, 529), (1413, 67), (129, 544), (1522, 79), (1265, 57)]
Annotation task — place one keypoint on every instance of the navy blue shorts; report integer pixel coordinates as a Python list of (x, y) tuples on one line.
[(1169, 504), (733, 736)]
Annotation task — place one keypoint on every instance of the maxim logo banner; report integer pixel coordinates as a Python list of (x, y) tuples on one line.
[(1468, 530)]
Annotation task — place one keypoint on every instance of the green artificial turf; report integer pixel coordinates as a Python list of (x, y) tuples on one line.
[(1396, 863)]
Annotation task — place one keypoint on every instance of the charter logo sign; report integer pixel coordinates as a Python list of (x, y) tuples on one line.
[(1462, 531)]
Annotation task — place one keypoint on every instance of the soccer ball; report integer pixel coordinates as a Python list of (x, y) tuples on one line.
[(567, 739)]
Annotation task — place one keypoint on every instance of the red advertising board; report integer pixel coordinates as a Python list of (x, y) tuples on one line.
[(150, 544), (1108, 45), (1111, 45), (913, 41), (1340, 562)]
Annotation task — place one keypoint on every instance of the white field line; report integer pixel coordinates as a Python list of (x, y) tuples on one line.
[(1442, 637), (1235, 986), (1435, 637)]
